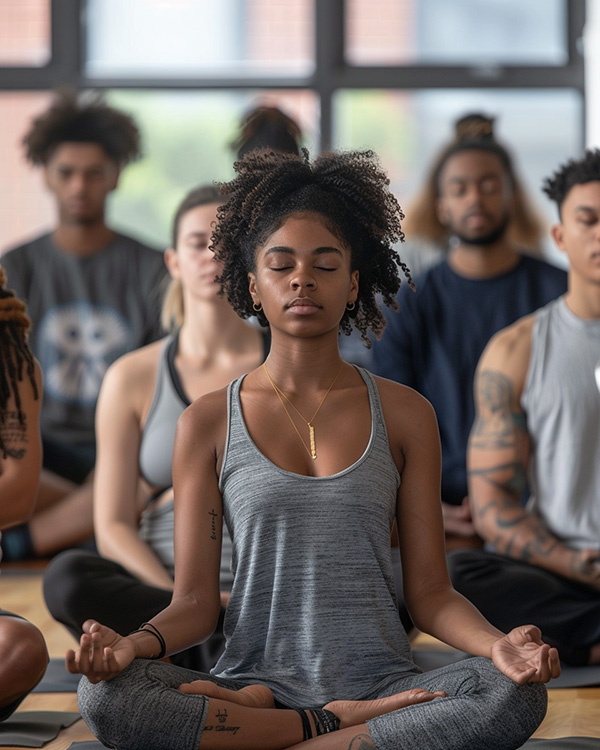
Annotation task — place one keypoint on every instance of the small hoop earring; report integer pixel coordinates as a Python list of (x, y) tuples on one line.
[(256, 308), (350, 306)]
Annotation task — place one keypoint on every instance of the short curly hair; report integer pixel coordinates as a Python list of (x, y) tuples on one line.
[(574, 172), (84, 118), (349, 189)]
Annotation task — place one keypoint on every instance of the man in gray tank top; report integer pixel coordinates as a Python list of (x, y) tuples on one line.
[(537, 429)]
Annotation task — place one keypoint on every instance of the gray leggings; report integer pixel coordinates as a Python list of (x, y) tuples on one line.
[(143, 710)]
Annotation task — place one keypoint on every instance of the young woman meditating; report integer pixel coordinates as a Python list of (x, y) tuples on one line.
[(309, 460), (142, 396)]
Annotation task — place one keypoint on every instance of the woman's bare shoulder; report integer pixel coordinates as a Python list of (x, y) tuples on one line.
[(208, 409), (394, 395), (135, 370)]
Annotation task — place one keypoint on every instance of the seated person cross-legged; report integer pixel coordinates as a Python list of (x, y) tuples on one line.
[(23, 653), (309, 460), (142, 397), (538, 416)]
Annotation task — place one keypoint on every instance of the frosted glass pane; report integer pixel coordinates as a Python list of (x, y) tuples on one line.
[(479, 32), (187, 38)]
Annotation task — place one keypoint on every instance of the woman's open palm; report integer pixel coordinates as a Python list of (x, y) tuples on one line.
[(102, 653), (524, 657)]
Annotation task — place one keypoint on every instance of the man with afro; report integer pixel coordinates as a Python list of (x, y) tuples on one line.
[(92, 295)]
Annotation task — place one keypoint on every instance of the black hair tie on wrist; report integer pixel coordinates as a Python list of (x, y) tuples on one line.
[(143, 628)]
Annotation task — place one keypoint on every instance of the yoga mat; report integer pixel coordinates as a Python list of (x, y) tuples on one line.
[(57, 680), (34, 728), (88, 745), (563, 743), (570, 677)]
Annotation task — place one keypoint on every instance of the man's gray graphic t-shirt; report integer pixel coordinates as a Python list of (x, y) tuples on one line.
[(86, 311)]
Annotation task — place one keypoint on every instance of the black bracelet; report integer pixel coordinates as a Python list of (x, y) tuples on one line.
[(157, 634)]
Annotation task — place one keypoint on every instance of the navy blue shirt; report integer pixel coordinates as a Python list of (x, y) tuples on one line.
[(434, 342)]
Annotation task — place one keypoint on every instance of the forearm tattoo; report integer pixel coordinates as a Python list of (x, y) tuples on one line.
[(361, 742), (14, 434), (498, 457), (213, 523)]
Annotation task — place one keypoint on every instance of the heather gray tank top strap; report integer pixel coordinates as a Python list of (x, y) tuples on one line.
[(311, 557), (158, 435)]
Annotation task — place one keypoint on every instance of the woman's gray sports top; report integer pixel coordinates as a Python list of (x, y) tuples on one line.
[(313, 612)]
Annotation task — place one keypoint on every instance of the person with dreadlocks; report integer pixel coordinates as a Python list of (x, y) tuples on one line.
[(538, 416), (92, 294), (23, 653), (309, 460), (486, 281)]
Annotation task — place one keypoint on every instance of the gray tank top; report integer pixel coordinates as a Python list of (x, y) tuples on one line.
[(156, 459), (158, 435), (313, 612), (562, 404)]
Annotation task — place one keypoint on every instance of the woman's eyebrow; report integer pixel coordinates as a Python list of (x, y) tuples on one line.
[(290, 251)]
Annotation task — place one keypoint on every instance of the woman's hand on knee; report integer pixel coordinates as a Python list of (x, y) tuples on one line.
[(102, 653), (524, 657)]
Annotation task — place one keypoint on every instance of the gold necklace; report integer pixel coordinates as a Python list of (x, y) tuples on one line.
[(312, 451)]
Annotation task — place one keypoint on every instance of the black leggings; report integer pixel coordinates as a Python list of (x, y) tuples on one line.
[(80, 586), (510, 593)]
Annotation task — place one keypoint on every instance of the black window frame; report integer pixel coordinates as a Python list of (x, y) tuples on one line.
[(331, 72)]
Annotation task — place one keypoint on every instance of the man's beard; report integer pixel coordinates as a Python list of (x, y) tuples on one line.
[(490, 238)]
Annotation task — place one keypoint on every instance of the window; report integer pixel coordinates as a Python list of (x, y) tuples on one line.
[(399, 32), (391, 75), (25, 33), (154, 38)]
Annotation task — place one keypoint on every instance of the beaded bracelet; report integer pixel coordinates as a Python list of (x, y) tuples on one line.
[(143, 628)]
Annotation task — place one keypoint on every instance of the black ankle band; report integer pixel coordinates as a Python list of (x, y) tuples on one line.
[(325, 721)]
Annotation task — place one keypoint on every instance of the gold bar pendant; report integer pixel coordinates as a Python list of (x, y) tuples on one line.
[(313, 445)]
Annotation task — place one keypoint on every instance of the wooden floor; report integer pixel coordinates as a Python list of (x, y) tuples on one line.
[(573, 712)]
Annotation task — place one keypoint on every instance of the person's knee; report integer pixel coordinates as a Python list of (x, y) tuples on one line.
[(23, 658), (66, 586), (535, 696), (129, 711), (520, 708)]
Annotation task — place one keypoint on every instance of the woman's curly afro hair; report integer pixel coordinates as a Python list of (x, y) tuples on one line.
[(348, 189)]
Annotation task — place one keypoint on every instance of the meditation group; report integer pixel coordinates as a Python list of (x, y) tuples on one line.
[(242, 525)]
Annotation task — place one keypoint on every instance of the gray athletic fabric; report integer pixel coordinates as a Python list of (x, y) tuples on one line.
[(157, 527), (86, 311), (142, 709), (313, 582), (156, 463), (313, 616), (167, 405), (562, 405)]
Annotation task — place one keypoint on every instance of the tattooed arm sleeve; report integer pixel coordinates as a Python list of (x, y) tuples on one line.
[(497, 459)]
